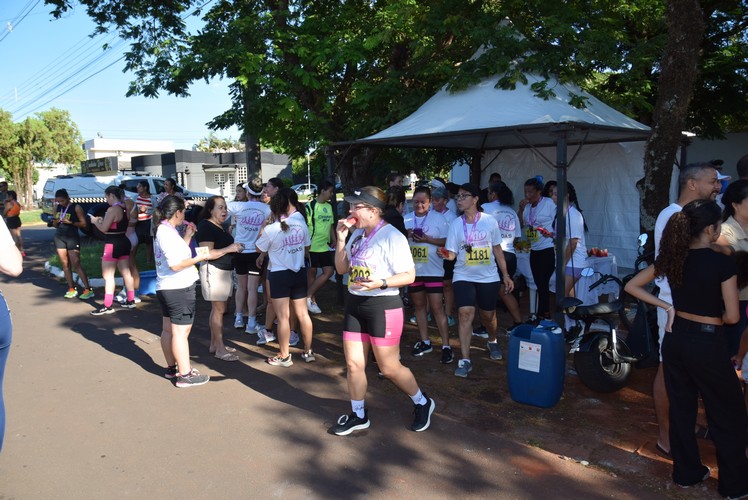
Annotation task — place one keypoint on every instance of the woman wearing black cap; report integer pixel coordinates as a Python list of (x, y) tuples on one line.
[(378, 261), (475, 243)]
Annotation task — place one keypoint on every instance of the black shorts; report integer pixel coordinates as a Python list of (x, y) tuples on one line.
[(483, 295), (143, 230), (13, 222), (375, 320), (511, 264), (449, 269), (178, 305), (67, 242), (246, 263), (288, 284), (427, 284), (322, 259), (116, 247)]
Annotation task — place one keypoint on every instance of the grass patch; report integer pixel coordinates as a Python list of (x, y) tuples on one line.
[(91, 259), (31, 217)]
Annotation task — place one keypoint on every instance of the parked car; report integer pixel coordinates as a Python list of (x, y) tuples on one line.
[(304, 189), (87, 190)]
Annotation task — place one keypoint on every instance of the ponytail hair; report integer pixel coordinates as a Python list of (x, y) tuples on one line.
[(168, 207), (680, 231), (116, 191), (279, 205)]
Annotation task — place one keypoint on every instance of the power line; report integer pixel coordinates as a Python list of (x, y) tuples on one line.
[(13, 24)]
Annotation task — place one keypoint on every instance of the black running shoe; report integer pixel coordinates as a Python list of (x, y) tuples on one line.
[(447, 355), (421, 348), (193, 378), (128, 304), (101, 311), (422, 415), (350, 423)]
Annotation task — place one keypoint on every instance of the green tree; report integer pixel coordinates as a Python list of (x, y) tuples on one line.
[(48, 137), (310, 72)]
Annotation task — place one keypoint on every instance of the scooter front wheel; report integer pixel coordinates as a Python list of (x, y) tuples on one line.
[(596, 368)]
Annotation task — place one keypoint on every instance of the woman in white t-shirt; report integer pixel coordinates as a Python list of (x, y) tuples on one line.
[(427, 231), (286, 241), (536, 213), (176, 275), (377, 260), (248, 217), (499, 206), (575, 258), (474, 242)]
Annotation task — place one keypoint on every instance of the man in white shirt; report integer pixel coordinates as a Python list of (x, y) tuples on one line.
[(697, 181)]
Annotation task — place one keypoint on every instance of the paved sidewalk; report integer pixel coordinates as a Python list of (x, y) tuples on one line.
[(90, 416)]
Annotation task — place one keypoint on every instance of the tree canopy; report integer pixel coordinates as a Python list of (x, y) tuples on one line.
[(307, 73)]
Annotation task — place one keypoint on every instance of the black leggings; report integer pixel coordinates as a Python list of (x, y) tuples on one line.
[(542, 263)]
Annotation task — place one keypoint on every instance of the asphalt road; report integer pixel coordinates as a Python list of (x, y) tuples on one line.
[(90, 416)]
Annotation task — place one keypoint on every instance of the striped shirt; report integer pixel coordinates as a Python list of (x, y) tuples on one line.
[(145, 208)]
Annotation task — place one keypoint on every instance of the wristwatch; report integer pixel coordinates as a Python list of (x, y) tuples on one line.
[(384, 284)]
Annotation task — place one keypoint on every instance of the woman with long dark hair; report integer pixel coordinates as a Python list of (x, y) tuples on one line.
[(427, 231), (175, 289), (575, 258), (695, 360), (536, 212), (13, 219), (215, 272), (286, 241), (116, 250), (378, 261)]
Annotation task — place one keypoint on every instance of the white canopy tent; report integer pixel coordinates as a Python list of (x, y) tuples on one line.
[(485, 118)]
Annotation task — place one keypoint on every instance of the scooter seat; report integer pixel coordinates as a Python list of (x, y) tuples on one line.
[(600, 309), (569, 302)]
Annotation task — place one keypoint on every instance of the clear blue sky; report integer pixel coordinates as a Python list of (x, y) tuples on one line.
[(41, 57)]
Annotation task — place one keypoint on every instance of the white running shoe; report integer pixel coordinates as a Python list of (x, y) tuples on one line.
[(294, 338), (263, 336), (313, 307), (121, 296), (239, 322), (251, 328)]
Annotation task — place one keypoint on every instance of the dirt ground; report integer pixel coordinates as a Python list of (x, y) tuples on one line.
[(614, 432)]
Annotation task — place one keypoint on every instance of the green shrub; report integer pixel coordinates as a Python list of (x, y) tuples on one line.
[(91, 259)]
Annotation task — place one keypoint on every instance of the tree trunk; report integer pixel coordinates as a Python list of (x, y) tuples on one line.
[(678, 73), (28, 188), (251, 143)]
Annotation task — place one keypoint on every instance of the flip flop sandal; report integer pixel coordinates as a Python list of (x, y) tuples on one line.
[(228, 357), (662, 451)]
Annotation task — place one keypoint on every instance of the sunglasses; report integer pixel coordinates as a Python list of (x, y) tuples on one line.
[(462, 196)]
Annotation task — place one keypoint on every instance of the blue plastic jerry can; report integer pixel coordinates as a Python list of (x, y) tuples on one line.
[(537, 364)]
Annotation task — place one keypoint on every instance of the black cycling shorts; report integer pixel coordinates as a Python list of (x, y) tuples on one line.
[(483, 295), (116, 247), (322, 259), (246, 263), (288, 284), (66, 242), (375, 320), (178, 305)]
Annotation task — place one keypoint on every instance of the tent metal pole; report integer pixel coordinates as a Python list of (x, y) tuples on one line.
[(561, 208)]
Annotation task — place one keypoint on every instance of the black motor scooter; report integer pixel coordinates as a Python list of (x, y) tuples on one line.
[(602, 355)]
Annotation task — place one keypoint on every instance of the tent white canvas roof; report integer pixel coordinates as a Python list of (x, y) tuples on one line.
[(484, 117)]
